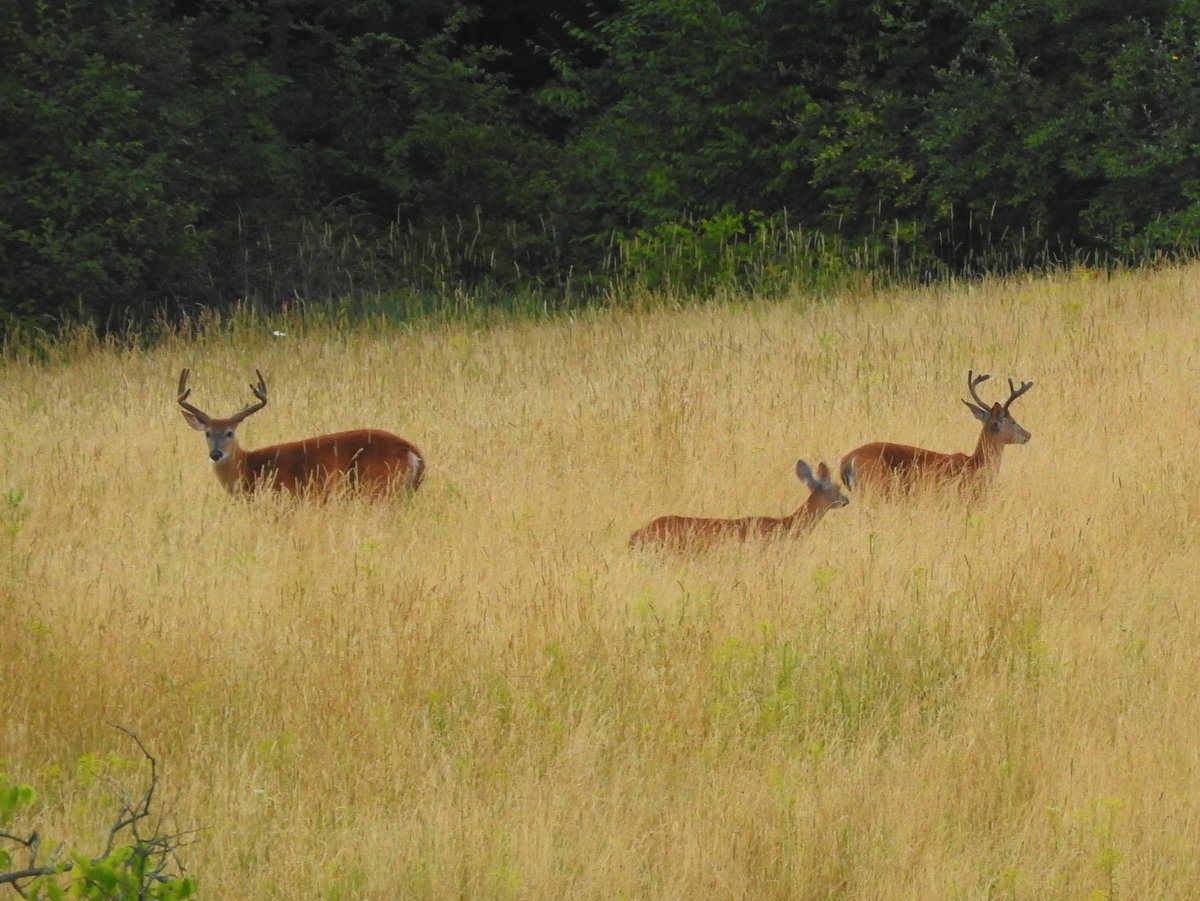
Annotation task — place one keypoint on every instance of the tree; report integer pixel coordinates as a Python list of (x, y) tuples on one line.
[(684, 116), (134, 863), (89, 222)]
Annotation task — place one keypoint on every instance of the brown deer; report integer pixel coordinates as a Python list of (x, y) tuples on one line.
[(693, 532), (897, 468), (370, 461)]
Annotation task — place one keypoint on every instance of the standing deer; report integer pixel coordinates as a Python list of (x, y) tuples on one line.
[(891, 468), (372, 461), (684, 532)]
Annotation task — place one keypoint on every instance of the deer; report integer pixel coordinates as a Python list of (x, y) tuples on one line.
[(371, 461), (897, 468), (694, 532)]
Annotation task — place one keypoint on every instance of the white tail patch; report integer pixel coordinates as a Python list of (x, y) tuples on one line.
[(847, 472), (416, 469)]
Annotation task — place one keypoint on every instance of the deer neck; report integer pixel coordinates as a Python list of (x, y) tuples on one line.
[(988, 451), (805, 517), (231, 470)]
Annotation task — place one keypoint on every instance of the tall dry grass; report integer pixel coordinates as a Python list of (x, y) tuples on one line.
[(480, 692)]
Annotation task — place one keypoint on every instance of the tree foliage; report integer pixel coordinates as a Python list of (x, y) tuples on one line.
[(156, 156)]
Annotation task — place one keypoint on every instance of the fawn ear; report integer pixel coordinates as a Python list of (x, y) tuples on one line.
[(193, 421), (804, 474)]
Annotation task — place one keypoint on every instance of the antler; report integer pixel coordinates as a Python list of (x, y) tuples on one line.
[(973, 381), (259, 391), (1015, 392), (184, 391)]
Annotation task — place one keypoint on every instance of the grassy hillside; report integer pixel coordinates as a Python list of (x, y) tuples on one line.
[(480, 692)]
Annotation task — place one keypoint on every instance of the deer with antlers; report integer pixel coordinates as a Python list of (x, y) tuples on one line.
[(693, 532), (370, 461), (891, 468)]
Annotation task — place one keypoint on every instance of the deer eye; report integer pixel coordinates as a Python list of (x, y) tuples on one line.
[(229, 434)]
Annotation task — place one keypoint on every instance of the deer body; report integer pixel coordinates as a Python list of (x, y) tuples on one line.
[(370, 461), (890, 468), (682, 532)]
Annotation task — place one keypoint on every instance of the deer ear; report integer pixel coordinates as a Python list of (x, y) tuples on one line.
[(979, 413), (803, 473), (193, 421)]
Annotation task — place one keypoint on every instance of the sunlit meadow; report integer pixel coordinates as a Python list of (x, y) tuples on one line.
[(481, 692)]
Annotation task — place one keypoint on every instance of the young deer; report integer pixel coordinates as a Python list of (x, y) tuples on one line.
[(684, 532), (371, 461), (896, 468)]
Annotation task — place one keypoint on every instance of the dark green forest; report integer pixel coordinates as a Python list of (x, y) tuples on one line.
[(158, 157)]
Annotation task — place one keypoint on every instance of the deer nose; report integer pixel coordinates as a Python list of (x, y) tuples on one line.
[(215, 456)]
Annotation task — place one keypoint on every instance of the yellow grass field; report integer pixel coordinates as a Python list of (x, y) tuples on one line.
[(480, 692)]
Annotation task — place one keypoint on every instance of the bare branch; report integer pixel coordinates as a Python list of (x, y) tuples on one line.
[(15, 876), (130, 814), (155, 851)]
